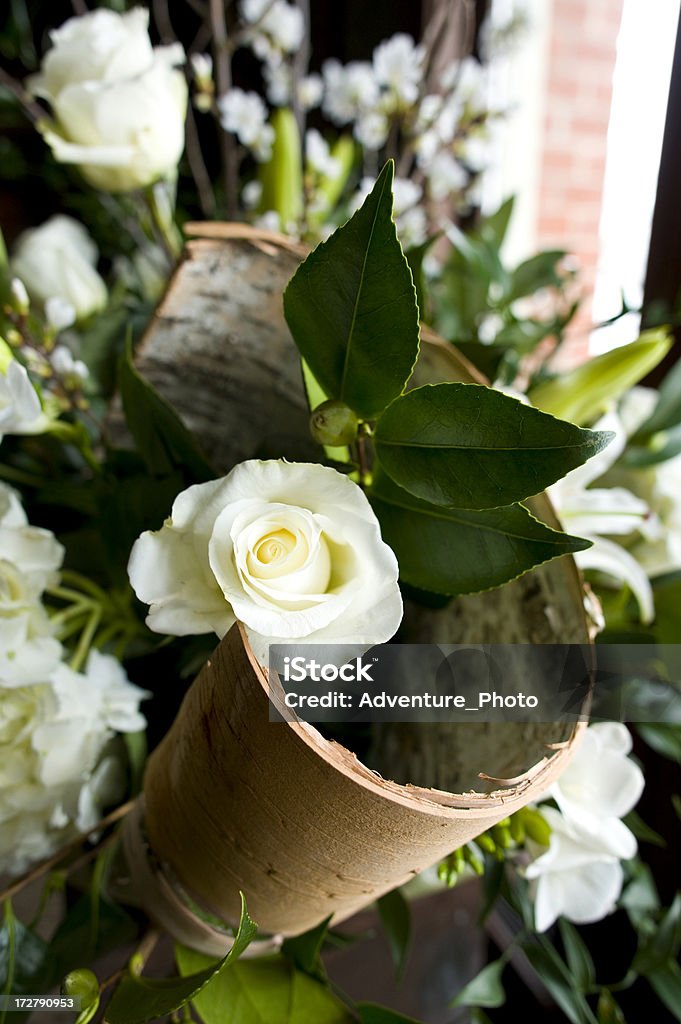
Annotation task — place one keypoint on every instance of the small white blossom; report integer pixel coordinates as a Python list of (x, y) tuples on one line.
[(310, 91), (59, 313), (428, 112), (202, 66), (318, 155), (268, 221), (466, 78), (278, 83), (251, 194), (348, 91), (445, 175), (66, 366), (278, 28), (20, 409), (398, 65), (245, 115), (19, 295), (371, 130), (412, 227)]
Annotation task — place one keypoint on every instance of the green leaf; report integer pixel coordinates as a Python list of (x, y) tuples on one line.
[(86, 934), (263, 991), (578, 956), (415, 257), (667, 411), (468, 446), (641, 830), (666, 983), (305, 950), (539, 271), (485, 989), (136, 747), (585, 392), (23, 956), (396, 918), (456, 551), (162, 439), (558, 980), (608, 1010), (139, 999), (640, 898), (370, 1013), (351, 308), (282, 175), (494, 227), (663, 945), (664, 739), (657, 448)]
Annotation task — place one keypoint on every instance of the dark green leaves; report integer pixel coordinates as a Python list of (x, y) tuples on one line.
[(471, 447), (485, 989), (396, 920), (139, 999), (370, 1013), (161, 438), (455, 551), (351, 308)]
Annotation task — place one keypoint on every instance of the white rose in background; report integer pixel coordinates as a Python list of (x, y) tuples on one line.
[(580, 876), (58, 260), (57, 770), (293, 551), (20, 408), (119, 105)]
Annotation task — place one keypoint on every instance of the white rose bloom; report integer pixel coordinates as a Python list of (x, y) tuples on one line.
[(54, 778), (579, 877), (119, 105), (293, 551), (20, 408), (58, 260), (398, 65)]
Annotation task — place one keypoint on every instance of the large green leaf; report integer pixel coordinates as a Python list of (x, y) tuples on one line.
[(468, 446), (578, 957), (485, 989), (667, 411), (582, 394), (458, 551), (138, 999), (351, 307), (266, 991), (666, 983), (559, 981)]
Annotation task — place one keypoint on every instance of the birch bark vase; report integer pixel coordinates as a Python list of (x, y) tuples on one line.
[(234, 802)]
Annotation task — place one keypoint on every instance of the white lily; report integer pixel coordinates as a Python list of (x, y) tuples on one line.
[(593, 512)]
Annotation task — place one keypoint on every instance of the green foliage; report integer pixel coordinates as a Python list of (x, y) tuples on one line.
[(264, 991), (282, 175), (305, 950), (139, 999), (455, 551), (396, 919), (369, 1013), (468, 446), (578, 957), (582, 394), (162, 440), (351, 308), (486, 988), (558, 979)]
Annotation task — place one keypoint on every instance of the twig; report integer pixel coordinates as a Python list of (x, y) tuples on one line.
[(197, 165), (223, 76), (33, 110), (79, 7), (163, 22), (198, 7), (300, 65), (41, 869)]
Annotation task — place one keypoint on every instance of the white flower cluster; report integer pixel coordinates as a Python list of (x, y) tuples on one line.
[(119, 104), (244, 114), (275, 28), (56, 724), (580, 875)]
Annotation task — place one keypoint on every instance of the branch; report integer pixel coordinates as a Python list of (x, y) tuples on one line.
[(223, 77), (32, 109)]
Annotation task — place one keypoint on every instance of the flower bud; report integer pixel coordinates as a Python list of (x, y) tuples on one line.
[(334, 424), (81, 982)]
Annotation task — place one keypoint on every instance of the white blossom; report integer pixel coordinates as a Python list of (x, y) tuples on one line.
[(445, 175), (318, 155), (349, 90), (59, 313), (65, 365), (398, 65), (251, 194), (245, 115), (119, 105), (278, 28), (371, 130), (310, 91), (19, 295), (278, 83), (58, 259), (20, 408), (294, 551)]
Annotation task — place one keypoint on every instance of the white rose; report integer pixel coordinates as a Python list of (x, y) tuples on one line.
[(293, 551), (119, 105), (56, 771), (20, 408), (58, 260)]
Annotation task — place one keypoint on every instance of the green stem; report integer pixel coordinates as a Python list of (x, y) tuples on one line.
[(85, 641)]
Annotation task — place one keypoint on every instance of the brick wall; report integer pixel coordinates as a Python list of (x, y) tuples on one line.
[(582, 50)]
